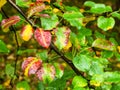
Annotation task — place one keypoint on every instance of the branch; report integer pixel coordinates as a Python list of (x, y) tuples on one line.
[(69, 62)]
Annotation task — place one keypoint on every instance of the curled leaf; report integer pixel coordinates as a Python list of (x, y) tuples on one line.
[(43, 37), (27, 32), (31, 65), (6, 23)]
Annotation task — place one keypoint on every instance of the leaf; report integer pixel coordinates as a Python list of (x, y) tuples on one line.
[(79, 81), (82, 62), (23, 3), (49, 23), (43, 55), (3, 47), (100, 8), (43, 37), (116, 14), (106, 54), (103, 44), (6, 23), (23, 85), (113, 77), (2, 3), (62, 37), (31, 65), (85, 31), (89, 3), (9, 70), (35, 8), (26, 32), (59, 70), (79, 88), (26, 51), (46, 73), (74, 18), (73, 8), (105, 23)]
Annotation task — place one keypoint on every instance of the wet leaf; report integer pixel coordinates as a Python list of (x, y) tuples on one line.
[(3, 47), (82, 62), (31, 65), (103, 44), (50, 22), (46, 73), (43, 37), (62, 37), (105, 23), (27, 32), (6, 23), (79, 81)]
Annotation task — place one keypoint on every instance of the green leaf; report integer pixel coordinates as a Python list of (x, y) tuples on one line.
[(0, 17), (100, 8), (116, 14), (113, 77), (9, 70), (23, 3), (96, 68), (59, 70), (103, 44), (99, 35), (106, 54), (73, 8), (3, 47), (23, 85), (74, 18), (105, 23), (79, 81), (82, 62), (89, 3), (49, 23), (42, 55), (85, 31)]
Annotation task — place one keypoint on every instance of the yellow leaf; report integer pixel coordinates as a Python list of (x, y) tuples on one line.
[(118, 47), (6, 83), (55, 10), (2, 3), (66, 48), (27, 32), (97, 84)]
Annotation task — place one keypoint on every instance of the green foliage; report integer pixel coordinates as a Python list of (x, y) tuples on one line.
[(79, 47), (3, 47)]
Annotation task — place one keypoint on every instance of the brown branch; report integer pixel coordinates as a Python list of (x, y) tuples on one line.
[(69, 62)]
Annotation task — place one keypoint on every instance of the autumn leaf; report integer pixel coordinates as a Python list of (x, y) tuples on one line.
[(6, 23), (2, 3), (31, 65), (35, 8), (43, 37), (27, 32)]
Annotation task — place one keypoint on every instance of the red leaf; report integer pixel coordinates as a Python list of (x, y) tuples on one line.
[(43, 37), (31, 65), (10, 21), (35, 8), (27, 32)]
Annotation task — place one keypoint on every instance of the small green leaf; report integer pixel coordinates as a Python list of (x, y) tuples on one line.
[(116, 14), (106, 54), (49, 23), (89, 3), (23, 3), (74, 18), (9, 70), (68, 8), (3, 47), (108, 9), (85, 31), (105, 23), (82, 62), (99, 35), (42, 55), (23, 85), (79, 81), (103, 44)]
